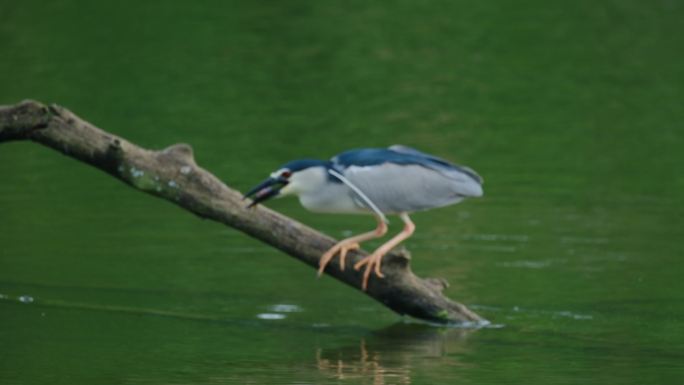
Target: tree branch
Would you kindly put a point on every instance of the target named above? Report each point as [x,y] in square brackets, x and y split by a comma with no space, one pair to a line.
[172,174]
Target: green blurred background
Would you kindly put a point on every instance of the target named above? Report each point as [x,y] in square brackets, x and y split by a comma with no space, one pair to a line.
[572,112]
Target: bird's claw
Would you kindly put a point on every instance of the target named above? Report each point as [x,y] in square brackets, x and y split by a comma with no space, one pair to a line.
[328,256]
[372,263]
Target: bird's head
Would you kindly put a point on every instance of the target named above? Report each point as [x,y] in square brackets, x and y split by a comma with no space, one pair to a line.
[291,178]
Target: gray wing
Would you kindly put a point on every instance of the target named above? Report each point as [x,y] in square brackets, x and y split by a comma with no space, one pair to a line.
[396,188]
[441,164]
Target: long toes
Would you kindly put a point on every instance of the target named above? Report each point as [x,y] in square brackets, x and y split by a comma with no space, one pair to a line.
[322,263]
[360,263]
[327,256]
[325,259]
[344,251]
[372,266]
[377,270]
[366,276]
[343,257]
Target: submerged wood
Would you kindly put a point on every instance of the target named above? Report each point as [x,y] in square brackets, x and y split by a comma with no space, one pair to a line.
[172,174]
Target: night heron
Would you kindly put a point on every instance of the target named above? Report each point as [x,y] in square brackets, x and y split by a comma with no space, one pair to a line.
[396,180]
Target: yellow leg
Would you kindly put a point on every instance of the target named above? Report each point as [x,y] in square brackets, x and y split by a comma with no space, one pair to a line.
[352,243]
[374,260]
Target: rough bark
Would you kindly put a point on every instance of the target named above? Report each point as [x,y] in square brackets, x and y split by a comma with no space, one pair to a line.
[172,174]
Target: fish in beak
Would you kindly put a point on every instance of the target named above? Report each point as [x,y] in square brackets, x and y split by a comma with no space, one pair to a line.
[265,190]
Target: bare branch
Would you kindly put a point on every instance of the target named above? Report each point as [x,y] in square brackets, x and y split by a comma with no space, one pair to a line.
[172,174]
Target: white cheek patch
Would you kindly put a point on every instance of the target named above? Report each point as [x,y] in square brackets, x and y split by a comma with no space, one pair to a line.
[287,190]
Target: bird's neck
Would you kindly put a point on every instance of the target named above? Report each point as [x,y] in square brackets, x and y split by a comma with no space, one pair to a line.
[307,181]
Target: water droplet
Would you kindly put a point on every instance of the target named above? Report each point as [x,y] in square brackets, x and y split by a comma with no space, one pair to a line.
[25,299]
[271,316]
[185,170]
[285,308]
[320,325]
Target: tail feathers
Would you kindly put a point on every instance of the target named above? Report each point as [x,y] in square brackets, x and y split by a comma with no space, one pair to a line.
[465,184]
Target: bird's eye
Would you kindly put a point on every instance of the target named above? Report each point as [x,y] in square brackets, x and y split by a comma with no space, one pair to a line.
[286,174]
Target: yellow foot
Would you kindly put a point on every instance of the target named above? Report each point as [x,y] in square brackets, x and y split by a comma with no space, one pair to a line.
[340,248]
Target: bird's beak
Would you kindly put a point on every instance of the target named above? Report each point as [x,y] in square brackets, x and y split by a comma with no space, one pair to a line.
[265,190]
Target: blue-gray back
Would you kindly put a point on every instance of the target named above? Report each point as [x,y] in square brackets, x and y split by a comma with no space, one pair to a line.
[402,179]
[401,155]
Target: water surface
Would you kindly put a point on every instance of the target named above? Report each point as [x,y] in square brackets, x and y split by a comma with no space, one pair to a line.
[571,112]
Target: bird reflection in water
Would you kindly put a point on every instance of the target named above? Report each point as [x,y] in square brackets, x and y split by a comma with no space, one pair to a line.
[388,356]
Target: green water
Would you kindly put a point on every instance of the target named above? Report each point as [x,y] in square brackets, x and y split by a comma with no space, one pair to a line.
[572,111]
